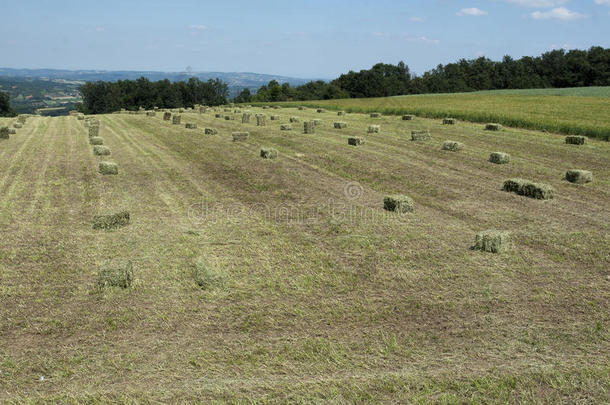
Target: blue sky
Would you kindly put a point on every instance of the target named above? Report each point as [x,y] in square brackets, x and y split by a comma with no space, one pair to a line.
[301,38]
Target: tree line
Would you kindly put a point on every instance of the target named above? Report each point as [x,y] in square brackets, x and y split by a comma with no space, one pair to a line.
[553,69]
[104,97]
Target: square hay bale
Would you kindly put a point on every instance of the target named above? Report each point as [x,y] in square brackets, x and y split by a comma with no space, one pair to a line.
[317,122]
[237,111]
[111,221]
[375,115]
[579,176]
[285,127]
[276,107]
[309,127]
[240,136]
[206,276]
[96,140]
[245,118]
[202,110]
[274,117]
[340,113]
[493,127]
[499,158]
[94,130]
[108,168]
[452,146]
[301,108]
[355,141]
[421,135]
[4,133]
[530,189]
[151,114]
[181,110]
[340,125]
[261,120]
[18,125]
[295,119]
[210,131]
[373,129]
[22,118]
[398,203]
[576,140]
[121,277]
[190,125]
[229,118]
[449,121]
[101,150]
[265,107]
[176,119]
[227,110]
[81,117]
[12,131]
[269,153]
[407,117]
[492,241]
[320,110]
[167,116]
[218,116]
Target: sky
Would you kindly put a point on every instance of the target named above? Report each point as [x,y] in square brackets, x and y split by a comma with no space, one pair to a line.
[297,38]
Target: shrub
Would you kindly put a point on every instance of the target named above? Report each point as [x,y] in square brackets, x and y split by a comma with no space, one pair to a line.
[309,127]
[452,146]
[373,129]
[240,136]
[340,124]
[355,141]
[527,188]
[421,135]
[269,153]
[207,276]
[579,176]
[492,241]
[96,140]
[449,121]
[499,157]
[576,140]
[116,277]
[493,127]
[398,203]
[108,168]
[100,150]
[286,127]
[210,131]
[111,221]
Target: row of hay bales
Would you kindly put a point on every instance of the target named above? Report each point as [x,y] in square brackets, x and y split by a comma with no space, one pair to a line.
[7,131]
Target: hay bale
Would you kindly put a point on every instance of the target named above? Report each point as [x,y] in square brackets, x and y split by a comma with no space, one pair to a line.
[285,127]
[530,189]
[452,146]
[355,141]
[295,119]
[176,119]
[12,131]
[407,117]
[576,140]
[261,120]
[4,133]
[151,114]
[17,125]
[94,130]
[190,125]
[449,121]
[320,110]
[240,136]
[579,176]
[96,140]
[229,118]
[181,110]
[420,135]
[492,241]
[373,129]
[218,116]
[274,117]
[398,203]
[108,168]
[340,125]
[276,107]
[269,153]
[340,113]
[101,150]
[81,117]
[167,116]
[301,108]
[210,131]
[237,111]
[265,107]
[375,115]
[206,276]
[245,118]
[309,127]
[111,221]
[499,158]
[22,118]
[317,122]
[115,277]
[227,110]
[493,127]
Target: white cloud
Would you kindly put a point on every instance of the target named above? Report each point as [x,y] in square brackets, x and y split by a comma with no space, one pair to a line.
[539,3]
[559,13]
[603,2]
[421,39]
[473,11]
[197,27]
[417,19]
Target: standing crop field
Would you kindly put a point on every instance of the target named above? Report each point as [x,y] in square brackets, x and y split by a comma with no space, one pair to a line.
[234,278]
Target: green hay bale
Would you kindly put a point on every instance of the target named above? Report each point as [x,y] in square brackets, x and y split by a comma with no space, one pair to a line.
[375,115]
[111,221]
[245,118]
[115,277]
[373,129]
[274,117]
[18,125]
[320,110]
[240,136]
[167,116]
[492,241]
[398,203]
[449,121]
[579,176]
[530,189]
[176,119]
[286,127]
[96,140]
[317,122]
[206,276]
[4,133]
[269,153]
[101,150]
[340,113]
[301,108]
[452,146]
[355,141]
[295,119]
[210,131]
[261,120]
[499,158]
[421,135]
[110,168]
[576,140]
[94,130]
[190,125]
[340,125]
[493,127]
[309,127]
[407,117]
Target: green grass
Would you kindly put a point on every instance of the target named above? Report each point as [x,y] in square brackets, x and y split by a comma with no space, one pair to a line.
[580,111]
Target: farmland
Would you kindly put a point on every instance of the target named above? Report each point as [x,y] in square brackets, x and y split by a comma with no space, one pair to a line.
[324,295]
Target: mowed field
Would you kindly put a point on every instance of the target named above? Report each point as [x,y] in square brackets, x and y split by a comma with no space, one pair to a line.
[326,297]
[580,111]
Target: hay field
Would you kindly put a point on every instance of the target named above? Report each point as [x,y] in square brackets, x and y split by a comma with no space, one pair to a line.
[284,280]
[585,112]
